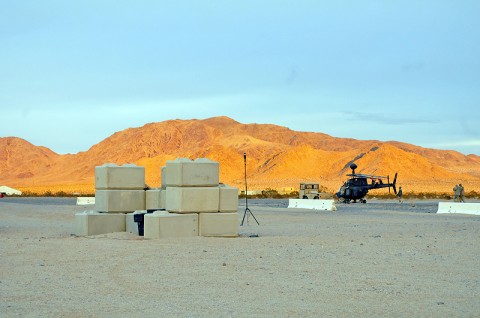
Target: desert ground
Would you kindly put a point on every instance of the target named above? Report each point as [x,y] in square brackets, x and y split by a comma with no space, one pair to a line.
[380,259]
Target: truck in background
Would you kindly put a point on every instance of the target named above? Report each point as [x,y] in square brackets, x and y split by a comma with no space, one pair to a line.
[309,191]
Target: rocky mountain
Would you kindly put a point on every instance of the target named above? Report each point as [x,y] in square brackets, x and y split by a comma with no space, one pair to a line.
[277,157]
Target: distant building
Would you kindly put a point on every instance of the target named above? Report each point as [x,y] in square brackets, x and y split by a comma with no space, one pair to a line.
[251,192]
[9,191]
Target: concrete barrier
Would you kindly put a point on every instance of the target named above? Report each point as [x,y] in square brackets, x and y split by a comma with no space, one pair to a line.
[192,199]
[458,207]
[228,200]
[161,224]
[115,201]
[218,224]
[95,223]
[153,199]
[183,172]
[85,200]
[327,205]
[111,176]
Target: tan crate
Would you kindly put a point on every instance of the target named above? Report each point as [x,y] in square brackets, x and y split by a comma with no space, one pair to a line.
[153,199]
[228,200]
[164,177]
[95,223]
[183,172]
[218,224]
[162,224]
[192,199]
[119,200]
[112,176]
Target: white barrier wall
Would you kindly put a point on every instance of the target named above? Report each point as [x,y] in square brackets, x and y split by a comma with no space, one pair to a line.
[459,207]
[112,176]
[85,200]
[327,205]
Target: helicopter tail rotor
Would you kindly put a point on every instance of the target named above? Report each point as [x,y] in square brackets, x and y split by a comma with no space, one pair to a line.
[394,182]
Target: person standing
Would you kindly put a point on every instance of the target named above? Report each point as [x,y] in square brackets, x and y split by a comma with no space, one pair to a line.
[461,193]
[456,193]
[400,194]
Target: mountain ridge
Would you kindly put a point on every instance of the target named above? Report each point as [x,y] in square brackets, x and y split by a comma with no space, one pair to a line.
[277,157]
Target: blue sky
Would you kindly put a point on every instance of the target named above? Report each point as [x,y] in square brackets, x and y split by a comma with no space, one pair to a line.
[74,72]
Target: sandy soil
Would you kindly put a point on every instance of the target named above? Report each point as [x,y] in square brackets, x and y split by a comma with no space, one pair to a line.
[379,259]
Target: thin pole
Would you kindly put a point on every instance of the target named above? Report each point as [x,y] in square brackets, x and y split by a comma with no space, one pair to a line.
[247,210]
[246,189]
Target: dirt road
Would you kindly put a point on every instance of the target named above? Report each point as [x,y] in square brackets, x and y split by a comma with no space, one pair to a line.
[379,259]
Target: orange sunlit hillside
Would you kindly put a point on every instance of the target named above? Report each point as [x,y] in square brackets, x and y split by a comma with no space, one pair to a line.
[277,157]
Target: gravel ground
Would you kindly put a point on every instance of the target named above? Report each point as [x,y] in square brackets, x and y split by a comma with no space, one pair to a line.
[380,259]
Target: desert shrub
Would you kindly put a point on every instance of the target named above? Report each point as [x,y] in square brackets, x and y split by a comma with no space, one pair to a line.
[444,196]
[472,195]
[411,195]
[270,194]
[29,194]
[293,194]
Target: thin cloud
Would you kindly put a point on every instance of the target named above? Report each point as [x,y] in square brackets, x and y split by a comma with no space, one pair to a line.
[388,119]
[465,146]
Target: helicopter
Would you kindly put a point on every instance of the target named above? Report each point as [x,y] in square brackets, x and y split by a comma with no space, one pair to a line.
[357,186]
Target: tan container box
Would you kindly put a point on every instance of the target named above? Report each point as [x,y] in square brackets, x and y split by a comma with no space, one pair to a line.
[183,172]
[95,223]
[192,199]
[119,200]
[218,224]
[164,177]
[163,199]
[162,224]
[112,176]
[153,199]
[228,201]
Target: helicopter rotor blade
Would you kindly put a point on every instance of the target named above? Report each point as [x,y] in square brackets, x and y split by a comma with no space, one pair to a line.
[394,182]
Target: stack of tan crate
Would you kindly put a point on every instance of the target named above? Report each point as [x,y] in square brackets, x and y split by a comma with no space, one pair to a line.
[195,202]
[118,190]
[190,202]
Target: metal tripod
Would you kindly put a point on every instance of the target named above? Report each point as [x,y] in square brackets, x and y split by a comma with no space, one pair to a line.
[247,210]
